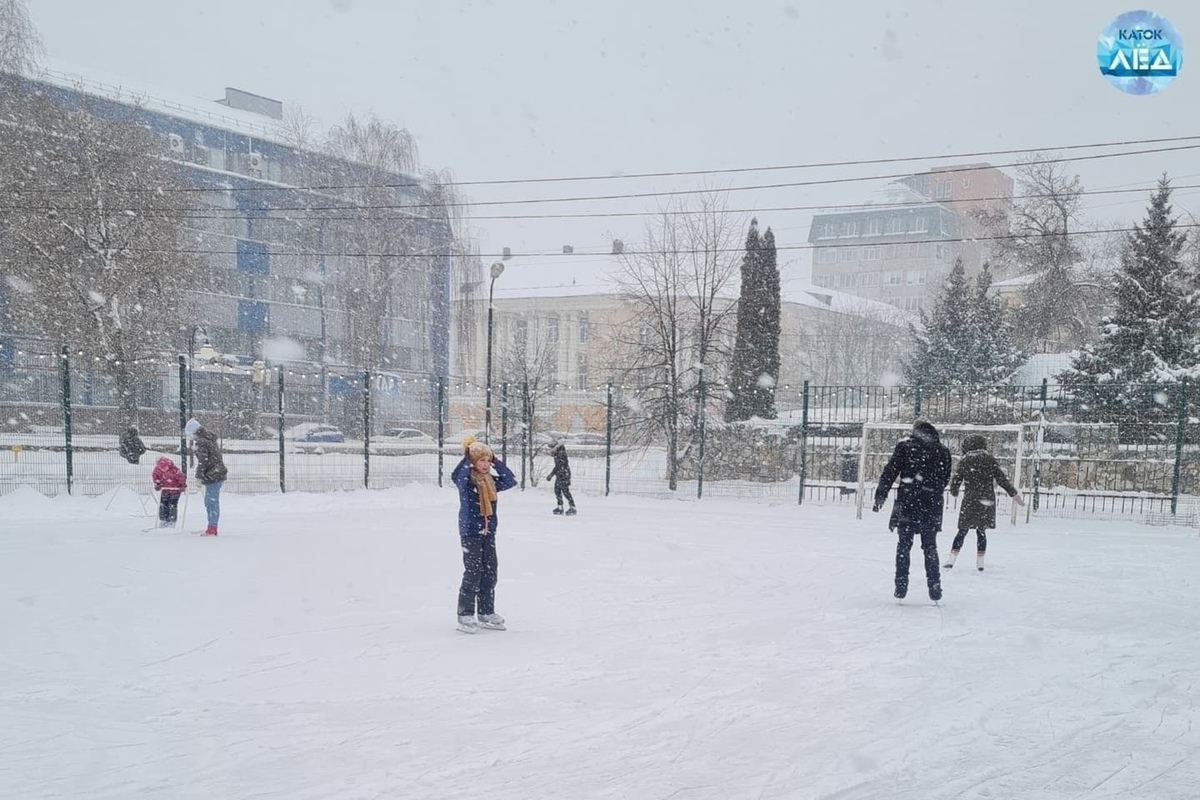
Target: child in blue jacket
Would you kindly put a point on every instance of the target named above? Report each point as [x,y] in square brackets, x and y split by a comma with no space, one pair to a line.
[477,525]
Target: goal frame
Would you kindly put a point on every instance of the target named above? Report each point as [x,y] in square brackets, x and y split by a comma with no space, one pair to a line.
[904,429]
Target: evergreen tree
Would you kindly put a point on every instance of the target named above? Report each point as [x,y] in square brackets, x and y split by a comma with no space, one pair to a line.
[997,354]
[1150,338]
[755,365]
[944,340]
[966,340]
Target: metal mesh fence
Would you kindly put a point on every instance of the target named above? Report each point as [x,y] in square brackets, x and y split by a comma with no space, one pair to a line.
[306,428]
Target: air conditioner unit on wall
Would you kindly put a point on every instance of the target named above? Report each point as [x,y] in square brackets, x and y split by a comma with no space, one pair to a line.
[175,143]
[254,163]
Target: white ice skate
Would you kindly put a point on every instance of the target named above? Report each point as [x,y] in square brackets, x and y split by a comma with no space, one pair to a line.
[466,624]
[493,622]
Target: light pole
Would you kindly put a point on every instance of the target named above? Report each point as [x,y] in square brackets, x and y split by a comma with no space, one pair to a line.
[192,363]
[497,269]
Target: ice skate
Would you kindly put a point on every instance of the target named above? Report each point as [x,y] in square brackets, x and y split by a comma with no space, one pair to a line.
[979,562]
[467,624]
[571,511]
[950,561]
[493,622]
[557,510]
[211,530]
[935,592]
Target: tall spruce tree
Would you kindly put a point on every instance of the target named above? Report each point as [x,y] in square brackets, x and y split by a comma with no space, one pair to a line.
[755,365]
[1150,338]
[966,339]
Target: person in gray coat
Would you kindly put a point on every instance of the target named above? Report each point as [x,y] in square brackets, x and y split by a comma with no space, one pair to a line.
[210,470]
[977,475]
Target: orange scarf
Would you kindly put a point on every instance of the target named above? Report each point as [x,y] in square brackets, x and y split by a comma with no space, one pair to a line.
[487,491]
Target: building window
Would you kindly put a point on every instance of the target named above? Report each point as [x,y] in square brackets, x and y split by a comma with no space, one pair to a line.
[875,227]
[584,329]
[252,316]
[581,372]
[822,281]
[912,304]
[848,254]
[871,253]
[940,252]
[521,333]
[829,231]
[913,275]
[826,255]
[944,188]
[914,250]
[896,225]
[891,251]
[252,257]
[849,229]
[552,329]
[966,183]
[894,278]
[920,224]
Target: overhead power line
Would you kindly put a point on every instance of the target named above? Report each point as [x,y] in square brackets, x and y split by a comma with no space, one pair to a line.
[673,192]
[627,252]
[301,214]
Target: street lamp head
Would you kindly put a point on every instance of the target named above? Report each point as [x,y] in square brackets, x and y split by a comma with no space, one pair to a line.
[497,268]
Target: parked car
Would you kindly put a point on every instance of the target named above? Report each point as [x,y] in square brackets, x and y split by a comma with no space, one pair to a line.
[409,436]
[323,433]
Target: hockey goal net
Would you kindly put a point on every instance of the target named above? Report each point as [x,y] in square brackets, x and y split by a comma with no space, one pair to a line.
[1005,442]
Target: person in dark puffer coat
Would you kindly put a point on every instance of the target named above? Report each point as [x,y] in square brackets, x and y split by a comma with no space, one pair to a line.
[977,474]
[561,475]
[922,464]
[210,470]
[478,490]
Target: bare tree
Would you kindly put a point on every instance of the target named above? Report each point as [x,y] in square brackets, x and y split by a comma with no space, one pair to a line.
[678,287]
[377,232]
[856,346]
[528,363]
[1039,238]
[20,44]
[97,238]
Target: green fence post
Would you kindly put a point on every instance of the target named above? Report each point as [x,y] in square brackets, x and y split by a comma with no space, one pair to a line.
[1180,423]
[526,434]
[803,443]
[66,404]
[183,412]
[282,446]
[366,429]
[1037,461]
[700,419]
[441,425]
[608,444]
[504,422]
[917,403]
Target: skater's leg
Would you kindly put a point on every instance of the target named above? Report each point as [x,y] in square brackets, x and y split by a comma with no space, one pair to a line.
[933,577]
[169,506]
[566,492]
[558,493]
[472,548]
[981,541]
[904,543]
[488,573]
[212,502]
[164,511]
[959,538]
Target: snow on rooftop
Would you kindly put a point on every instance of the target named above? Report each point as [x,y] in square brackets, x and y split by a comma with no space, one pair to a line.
[1042,366]
[164,101]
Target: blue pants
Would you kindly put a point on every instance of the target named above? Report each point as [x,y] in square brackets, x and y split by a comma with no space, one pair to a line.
[212,501]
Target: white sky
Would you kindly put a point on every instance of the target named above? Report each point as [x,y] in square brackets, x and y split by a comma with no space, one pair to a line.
[500,90]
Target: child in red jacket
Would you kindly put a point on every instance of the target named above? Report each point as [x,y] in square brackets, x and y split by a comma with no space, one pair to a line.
[170,481]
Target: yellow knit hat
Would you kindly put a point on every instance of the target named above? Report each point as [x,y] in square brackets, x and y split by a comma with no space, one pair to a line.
[475,449]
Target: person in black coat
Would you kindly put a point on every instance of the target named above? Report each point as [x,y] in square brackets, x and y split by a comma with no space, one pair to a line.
[922,464]
[561,474]
[977,474]
[132,448]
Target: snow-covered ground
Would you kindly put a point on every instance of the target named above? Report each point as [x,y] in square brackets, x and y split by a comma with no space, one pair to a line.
[656,649]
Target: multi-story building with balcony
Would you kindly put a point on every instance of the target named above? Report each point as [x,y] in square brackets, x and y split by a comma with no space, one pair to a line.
[899,247]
